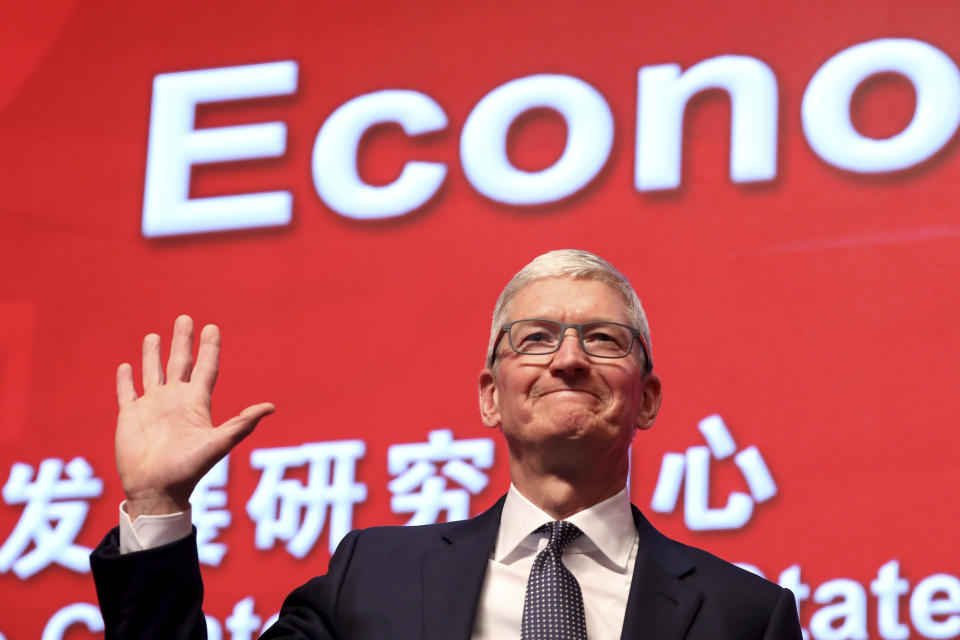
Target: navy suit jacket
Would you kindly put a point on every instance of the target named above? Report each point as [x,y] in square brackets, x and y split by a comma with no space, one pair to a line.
[401,583]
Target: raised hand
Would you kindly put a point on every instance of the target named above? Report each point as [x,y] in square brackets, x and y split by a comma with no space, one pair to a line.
[165,439]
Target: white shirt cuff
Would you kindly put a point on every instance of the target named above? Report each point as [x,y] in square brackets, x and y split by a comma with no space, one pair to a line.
[147,532]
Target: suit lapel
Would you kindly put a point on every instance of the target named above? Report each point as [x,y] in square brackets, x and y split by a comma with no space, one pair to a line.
[661,605]
[453,576]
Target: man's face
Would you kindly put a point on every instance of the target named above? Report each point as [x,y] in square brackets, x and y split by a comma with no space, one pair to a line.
[568,401]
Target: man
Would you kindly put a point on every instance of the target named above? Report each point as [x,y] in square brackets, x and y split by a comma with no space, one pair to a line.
[569,382]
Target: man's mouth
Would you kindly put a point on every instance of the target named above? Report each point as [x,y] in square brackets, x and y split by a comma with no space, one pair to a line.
[566,390]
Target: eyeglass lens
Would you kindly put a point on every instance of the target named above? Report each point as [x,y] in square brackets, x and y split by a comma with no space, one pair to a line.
[603,339]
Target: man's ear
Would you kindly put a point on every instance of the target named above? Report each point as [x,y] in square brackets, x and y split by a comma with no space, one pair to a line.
[489,399]
[650,402]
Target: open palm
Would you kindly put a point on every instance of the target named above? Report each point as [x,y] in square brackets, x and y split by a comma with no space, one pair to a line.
[165,439]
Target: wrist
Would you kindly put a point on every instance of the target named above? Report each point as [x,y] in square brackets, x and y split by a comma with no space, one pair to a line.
[153,504]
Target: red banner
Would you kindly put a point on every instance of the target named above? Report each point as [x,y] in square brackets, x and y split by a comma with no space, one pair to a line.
[345,188]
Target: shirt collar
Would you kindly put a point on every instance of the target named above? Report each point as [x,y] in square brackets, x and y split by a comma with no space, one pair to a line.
[609,525]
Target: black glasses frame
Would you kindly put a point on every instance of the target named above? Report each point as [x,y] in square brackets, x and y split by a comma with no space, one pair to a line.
[634,333]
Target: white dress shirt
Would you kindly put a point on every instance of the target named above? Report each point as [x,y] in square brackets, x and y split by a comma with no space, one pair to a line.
[601,559]
[147,532]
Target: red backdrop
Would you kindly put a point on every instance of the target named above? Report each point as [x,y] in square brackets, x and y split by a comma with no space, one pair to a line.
[814,310]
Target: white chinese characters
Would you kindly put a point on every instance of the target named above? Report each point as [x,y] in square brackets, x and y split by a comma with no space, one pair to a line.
[415,467]
[304,492]
[277,503]
[55,509]
[693,469]
[208,516]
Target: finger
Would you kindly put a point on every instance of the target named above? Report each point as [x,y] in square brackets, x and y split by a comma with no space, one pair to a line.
[208,358]
[181,350]
[239,427]
[125,391]
[152,373]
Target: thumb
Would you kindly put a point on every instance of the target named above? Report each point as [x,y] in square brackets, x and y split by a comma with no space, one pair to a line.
[240,426]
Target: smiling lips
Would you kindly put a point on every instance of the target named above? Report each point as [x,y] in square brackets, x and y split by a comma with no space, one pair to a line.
[567,389]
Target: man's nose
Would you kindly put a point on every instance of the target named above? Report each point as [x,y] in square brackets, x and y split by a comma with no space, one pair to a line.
[570,357]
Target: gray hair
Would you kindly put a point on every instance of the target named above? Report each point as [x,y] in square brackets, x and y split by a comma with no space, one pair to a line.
[570,263]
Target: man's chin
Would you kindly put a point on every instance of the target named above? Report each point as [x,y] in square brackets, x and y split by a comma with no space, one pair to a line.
[573,421]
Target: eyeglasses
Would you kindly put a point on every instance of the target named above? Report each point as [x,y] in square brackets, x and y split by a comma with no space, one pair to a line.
[537,336]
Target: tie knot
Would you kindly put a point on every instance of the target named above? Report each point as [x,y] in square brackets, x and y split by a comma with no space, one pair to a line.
[561,533]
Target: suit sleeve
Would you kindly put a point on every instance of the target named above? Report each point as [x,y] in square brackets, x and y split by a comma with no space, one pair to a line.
[784,624]
[157,594]
[310,612]
[153,594]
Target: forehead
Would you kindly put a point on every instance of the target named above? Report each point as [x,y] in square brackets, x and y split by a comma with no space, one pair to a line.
[569,300]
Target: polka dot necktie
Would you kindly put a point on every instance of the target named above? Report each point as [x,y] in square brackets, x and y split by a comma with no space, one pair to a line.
[553,606]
